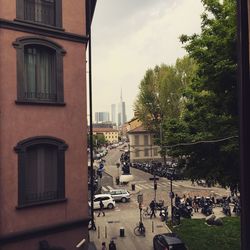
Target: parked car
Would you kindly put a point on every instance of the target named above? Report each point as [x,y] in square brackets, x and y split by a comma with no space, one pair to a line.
[168,241]
[120,195]
[107,200]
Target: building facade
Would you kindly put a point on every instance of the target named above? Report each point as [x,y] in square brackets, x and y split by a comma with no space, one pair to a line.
[101,117]
[113,113]
[43,164]
[121,115]
[111,135]
[142,147]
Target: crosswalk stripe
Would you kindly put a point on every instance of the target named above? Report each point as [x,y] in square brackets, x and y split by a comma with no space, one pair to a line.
[163,184]
[144,186]
[149,185]
[138,187]
[110,188]
[104,189]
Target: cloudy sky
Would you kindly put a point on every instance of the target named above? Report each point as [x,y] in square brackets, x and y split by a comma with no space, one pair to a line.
[131,36]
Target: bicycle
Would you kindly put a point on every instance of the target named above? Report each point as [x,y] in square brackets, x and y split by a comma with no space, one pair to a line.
[146,212]
[140,230]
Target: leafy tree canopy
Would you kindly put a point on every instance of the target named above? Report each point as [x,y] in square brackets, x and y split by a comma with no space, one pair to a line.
[211,106]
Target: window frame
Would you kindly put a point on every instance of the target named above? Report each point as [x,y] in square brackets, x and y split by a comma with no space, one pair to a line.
[21,149]
[20,44]
[58,14]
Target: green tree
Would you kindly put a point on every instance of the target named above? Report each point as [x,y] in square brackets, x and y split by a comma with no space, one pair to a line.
[211,107]
[160,93]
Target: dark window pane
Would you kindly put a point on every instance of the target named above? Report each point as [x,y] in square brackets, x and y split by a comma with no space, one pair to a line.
[42,11]
[41,174]
[39,74]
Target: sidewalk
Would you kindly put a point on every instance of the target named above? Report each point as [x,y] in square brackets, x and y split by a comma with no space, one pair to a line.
[108,227]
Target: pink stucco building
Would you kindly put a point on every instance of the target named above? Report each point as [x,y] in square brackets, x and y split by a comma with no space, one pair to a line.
[43,158]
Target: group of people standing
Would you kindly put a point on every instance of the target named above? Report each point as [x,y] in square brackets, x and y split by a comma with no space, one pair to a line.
[112,245]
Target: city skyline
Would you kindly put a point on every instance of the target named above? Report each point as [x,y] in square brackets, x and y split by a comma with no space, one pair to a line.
[116,115]
[145,34]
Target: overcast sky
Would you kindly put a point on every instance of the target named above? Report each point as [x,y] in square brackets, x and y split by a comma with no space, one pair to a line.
[131,36]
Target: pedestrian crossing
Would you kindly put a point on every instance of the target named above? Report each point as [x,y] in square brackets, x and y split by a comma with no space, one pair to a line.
[141,186]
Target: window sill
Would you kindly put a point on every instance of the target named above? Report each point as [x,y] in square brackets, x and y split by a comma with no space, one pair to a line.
[41,203]
[45,26]
[37,102]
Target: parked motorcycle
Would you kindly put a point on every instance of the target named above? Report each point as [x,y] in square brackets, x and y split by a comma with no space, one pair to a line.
[237,208]
[207,209]
[159,205]
[184,211]
[226,209]
[164,214]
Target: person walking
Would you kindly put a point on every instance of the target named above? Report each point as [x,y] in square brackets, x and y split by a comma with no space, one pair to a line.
[101,209]
[152,207]
[112,245]
[104,246]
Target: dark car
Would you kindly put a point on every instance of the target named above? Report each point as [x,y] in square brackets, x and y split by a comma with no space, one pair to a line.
[168,241]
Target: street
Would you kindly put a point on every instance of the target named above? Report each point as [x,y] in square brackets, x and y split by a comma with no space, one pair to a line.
[127,216]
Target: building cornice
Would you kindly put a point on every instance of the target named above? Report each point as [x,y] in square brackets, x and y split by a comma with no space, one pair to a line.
[33,28]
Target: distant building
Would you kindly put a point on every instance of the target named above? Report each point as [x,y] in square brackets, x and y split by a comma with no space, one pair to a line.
[113,113]
[122,117]
[141,146]
[111,135]
[101,117]
[104,125]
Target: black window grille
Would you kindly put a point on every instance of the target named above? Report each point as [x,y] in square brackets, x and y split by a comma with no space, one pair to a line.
[39,71]
[40,170]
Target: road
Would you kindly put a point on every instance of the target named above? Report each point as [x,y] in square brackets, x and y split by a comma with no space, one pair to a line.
[127,216]
[145,186]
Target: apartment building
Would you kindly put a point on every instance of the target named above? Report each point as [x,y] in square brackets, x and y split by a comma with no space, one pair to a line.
[43,163]
[142,147]
[111,135]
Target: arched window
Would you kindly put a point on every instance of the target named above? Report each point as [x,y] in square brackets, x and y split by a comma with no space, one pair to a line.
[40,170]
[39,71]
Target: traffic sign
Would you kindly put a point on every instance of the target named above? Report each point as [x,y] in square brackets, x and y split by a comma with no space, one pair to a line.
[153,178]
[140,198]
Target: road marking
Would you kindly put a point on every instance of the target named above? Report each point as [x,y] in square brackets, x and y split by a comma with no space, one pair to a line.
[149,185]
[144,186]
[163,184]
[176,185]
[105,189]
[138,187]
[110,188]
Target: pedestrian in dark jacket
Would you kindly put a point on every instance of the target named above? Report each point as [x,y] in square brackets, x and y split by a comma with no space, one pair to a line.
[104,246]
[101,209]
[112,245]
[152,207]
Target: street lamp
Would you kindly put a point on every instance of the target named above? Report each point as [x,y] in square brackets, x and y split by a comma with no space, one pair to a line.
[171,194]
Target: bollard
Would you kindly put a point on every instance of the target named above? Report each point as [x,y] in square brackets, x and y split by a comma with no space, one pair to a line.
[106,234]
[122,232]
[98,232]
[133,187]
[152,226]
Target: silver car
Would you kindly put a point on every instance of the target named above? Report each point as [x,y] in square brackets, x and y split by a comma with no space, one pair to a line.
[120,195]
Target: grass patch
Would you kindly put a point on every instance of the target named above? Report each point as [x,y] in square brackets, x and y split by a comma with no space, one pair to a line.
[197,235]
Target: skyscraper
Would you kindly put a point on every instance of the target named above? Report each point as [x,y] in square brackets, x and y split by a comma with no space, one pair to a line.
[122,117]
[113,113]
[101,117]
